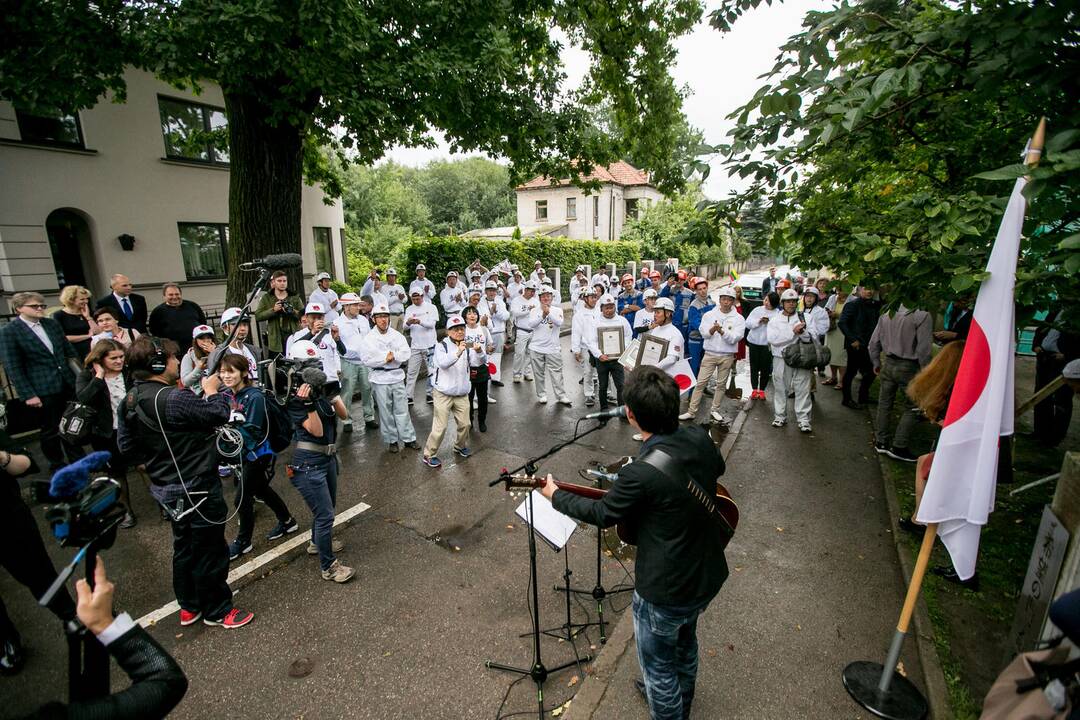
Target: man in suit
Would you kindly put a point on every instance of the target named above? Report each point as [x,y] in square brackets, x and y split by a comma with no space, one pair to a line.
[36,354]
[130,307]
[769,284]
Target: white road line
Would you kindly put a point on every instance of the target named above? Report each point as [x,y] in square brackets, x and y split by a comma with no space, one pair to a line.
[301,538]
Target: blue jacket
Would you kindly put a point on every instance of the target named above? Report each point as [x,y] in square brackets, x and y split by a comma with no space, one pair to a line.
[694,316]
[252,403]
[628,298]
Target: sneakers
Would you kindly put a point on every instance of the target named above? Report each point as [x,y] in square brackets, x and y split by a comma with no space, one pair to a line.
[687,416]
[590,401]
[429,400]
[881,448]
[413,445]
[393,447]
[542,399]
[497,383]
[851,404]
[463,452]
[432,462]
[901,454]
[370,424]
[239,547]
[411,402]
[189,618]
[517,378]
[283,528]
[762,396]
[564,400]
[335,545]
[717,417]
[338,573]
[528,378]
[779,422]
[235,618]
[805,428]
[492,401]
[346,426]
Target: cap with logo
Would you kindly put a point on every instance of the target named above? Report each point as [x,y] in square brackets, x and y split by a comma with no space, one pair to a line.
[454,321]
[727,291]
[229,316]
[491,285]
[625,277]
[607,300]
[547,290]
[789,294]
[200,330]
[589,291]
[421,266]
[530,285]
[649,293]
[315,309]
[811,289]
[476,289]
[349,298]
[303,350]
[391,271]
[695,281]
[452,273]
[380,309]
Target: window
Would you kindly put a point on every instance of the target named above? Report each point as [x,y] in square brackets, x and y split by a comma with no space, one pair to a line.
[324,255]
[596,211]
[203,247]
[58,129]
[541,210]
[632,208]
[571,208]
[194,132]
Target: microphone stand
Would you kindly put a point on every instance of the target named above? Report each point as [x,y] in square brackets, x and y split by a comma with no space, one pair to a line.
[214,360]
[538,671]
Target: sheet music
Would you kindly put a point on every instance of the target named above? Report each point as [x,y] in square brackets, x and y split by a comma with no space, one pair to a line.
[551,524]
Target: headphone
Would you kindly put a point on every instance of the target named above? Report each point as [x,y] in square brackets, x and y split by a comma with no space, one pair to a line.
[160,360]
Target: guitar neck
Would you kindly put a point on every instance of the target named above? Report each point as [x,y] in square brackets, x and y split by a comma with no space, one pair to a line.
[582,490]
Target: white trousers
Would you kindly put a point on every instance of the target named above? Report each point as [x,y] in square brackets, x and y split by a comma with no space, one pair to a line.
[521,354]
[543,365]
[495,357]
[785,379]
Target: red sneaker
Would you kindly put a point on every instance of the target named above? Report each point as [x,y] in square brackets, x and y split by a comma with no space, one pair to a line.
[189,618]
[233,619]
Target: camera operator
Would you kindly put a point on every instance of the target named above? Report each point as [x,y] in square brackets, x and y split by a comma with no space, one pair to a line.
[22,552]
[171,431]
[314,468]
[158,683]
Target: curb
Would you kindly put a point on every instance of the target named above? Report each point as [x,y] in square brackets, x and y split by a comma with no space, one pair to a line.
[937,690]
[587,700]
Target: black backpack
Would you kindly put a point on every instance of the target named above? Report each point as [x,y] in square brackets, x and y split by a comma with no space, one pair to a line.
[279,428]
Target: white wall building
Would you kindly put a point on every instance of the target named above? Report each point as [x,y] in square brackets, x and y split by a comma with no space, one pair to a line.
[71,188]
[624,192]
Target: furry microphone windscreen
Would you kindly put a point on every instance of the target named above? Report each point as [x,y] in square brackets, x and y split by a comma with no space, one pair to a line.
[69,480]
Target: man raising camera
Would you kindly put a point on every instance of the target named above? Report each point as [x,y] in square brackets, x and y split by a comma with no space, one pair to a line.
[172,431]
[680,563]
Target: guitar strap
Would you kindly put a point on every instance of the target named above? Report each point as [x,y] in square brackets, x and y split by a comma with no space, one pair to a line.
[666,466]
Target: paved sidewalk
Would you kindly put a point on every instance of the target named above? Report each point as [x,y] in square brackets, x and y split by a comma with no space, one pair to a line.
[815,581]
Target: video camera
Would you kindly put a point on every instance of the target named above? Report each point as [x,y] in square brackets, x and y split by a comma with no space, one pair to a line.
[291,374]
[88,501]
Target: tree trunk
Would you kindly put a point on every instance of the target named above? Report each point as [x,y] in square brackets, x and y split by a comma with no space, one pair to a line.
[265,186]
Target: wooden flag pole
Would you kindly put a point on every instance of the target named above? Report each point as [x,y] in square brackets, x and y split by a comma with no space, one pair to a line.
[912,597]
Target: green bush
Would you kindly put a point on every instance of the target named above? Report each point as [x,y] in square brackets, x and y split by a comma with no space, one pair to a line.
[341,288]
[441,254]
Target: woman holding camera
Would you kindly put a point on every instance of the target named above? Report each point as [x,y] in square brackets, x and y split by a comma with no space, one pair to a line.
[478,344]
[193,365]
[102,386]
[258,459]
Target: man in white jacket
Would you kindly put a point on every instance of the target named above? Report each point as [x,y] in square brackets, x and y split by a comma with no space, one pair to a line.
[581,326]
[384,350]
[452,296]
[422,283]
[721,331]
[420,320]
[545,322]
[451,393]
[787,329]
[662,314]
[396,299]
[520,309]
[352,327]
[493,315]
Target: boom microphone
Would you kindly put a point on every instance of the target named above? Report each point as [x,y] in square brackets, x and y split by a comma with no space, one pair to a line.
[282,261]
[71,479]
[618,411]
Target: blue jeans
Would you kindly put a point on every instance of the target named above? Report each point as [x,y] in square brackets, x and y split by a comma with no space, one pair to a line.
[667,651]
[315,478]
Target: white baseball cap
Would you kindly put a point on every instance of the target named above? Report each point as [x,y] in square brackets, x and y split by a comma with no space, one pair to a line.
[417,291]
[547,290]
[476,289]
[454,321]
[1072,370]
[391,271]
[380,309]
[303,350]
[452,273]
[649,293]
[607,300]
[322,276]
[789,294]
[229,316]
[200,330]
[588,291]
[537,263]
[664,304]
[314,308]
[811,289]
[421,266]
[530,285]
[491,285]
[579,269]
[349,298]
[727,291]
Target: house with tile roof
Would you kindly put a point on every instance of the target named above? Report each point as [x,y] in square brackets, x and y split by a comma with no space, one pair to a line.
[563,209]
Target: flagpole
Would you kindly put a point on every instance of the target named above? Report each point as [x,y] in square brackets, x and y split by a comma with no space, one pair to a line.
[908,610]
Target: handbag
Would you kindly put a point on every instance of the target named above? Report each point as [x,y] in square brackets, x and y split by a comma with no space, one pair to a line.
[1020,691]
[76,422]
[806,355]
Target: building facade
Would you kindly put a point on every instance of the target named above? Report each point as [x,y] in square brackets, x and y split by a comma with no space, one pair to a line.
[624,192]
[140,188]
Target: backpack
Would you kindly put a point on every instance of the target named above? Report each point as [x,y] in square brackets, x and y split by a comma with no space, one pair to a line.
[807,355]
[279,428]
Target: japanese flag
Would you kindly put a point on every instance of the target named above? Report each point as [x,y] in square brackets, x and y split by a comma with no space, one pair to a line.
[959,494]
[683,374]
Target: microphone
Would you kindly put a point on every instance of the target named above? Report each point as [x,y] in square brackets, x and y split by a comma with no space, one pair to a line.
[282,261]
[618,411]
[71,479]
[313,377]
[610,477]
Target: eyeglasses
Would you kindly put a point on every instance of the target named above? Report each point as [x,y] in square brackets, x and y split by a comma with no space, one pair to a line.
[37,306]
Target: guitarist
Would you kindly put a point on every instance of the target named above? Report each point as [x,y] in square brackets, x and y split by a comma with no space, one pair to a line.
[680,563]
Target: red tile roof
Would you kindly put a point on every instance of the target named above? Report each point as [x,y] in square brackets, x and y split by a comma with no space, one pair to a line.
[618,173]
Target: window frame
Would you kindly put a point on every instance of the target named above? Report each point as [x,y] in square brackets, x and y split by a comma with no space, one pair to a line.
[329,248]
[571,212]
[223,240]
[80,145]
[538,204]
[204,110]
[632,208]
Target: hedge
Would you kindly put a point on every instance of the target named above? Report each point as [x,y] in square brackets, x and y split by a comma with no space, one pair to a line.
[443,254]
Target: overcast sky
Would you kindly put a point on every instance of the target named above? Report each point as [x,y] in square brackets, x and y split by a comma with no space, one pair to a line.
[721,71]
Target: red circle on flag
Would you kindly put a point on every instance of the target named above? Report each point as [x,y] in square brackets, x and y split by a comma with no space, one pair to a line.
[491,368]
[683,381]
[972,376]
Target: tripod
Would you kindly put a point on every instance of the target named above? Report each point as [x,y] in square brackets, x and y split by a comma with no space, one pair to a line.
[598,593]
[538,671]
[569,629]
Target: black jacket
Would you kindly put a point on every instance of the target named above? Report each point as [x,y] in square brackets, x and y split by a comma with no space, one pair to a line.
[176,323]
[858,321]
[92,391]
[138,311]
[679,561]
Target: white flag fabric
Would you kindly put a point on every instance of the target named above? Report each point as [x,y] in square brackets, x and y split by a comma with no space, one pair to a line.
[684,376]
[959,494]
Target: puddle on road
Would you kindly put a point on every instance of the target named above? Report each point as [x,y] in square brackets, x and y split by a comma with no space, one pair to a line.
[456,537]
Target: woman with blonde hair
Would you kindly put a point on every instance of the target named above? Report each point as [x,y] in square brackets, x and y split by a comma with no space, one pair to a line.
[74,318]
[930,390]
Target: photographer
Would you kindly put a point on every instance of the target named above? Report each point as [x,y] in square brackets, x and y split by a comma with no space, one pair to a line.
[279,310]
[158,683]
[313,470]
[22,552]
[171,431]
[249,410]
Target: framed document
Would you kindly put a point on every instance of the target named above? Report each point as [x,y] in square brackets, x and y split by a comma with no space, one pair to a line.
[652,350]
[610,340]
[628,359]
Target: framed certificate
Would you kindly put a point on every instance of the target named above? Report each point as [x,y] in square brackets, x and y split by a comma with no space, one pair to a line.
[610,340]
[652,350]
[628,359]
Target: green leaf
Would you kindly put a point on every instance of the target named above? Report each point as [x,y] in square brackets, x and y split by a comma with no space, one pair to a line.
[1008,172]
[1062,140]
[1072,263]
[1070,243]
[960,283]
[883,82]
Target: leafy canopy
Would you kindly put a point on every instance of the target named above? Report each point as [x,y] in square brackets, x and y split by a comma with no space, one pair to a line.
[874,141]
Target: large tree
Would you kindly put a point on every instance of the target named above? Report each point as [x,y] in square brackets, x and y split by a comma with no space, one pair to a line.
[880,138]
[299,74]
